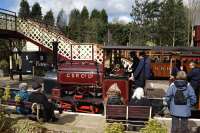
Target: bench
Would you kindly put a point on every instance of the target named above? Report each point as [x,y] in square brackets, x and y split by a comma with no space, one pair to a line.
[34,107]
[116,113]
[131,116]
[138,115]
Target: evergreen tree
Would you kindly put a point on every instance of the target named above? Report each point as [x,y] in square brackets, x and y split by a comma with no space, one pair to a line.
[24,10]
[84,14]
[61,20]
[84,18]
[36,12]
[104,30]
[95,14]
[74,25]
[98,27]
[49,18]
[104,16]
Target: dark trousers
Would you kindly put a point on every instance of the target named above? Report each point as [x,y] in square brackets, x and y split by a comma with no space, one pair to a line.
[179,125]
[48,112]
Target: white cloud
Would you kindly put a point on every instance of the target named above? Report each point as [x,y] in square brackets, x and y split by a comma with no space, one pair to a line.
[125,19]
[121,19]
[114,8]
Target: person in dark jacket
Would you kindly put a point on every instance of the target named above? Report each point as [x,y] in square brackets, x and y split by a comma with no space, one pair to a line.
[143,70]
[178,67]
[180,112]
[194,78]
[38,97]
[135,61]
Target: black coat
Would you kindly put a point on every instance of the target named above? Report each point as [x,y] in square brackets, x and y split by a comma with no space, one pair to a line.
[40,98]
[194,78]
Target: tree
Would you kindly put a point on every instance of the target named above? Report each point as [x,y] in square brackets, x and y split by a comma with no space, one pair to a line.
[145,16]
[180,24]
[36,12]
[139,19]
[193,18]
[61,20]
[84,14]
[24,10]
[84,18]
[74,25]
[120,33]
[49,18]
[95,14]
[173,23]
[104,16]
[98,26]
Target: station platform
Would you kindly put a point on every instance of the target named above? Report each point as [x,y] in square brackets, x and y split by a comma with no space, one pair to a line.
[70,122]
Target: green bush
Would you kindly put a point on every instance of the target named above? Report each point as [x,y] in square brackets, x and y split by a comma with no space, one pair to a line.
[28,127]
[114,128]
[153,126]
[5,122]
[3,64]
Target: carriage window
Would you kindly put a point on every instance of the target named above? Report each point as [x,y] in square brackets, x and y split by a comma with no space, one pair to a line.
[116,63]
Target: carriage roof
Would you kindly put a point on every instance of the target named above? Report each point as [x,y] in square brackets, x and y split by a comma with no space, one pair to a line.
[156,49]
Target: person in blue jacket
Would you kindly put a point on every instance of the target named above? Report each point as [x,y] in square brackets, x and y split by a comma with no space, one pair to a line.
[20,97]
[143,70]
[180,112]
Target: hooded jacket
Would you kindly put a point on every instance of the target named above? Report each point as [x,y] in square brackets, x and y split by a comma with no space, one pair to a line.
[180,110]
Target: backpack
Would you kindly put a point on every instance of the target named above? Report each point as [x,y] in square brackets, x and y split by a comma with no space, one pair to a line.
[180,98]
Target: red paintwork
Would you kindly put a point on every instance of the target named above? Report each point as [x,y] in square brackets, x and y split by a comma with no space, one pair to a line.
[123,85]
[197,33]
[81,74]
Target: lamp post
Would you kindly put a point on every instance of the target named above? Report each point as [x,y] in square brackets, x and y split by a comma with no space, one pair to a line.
[11,61]
[18,60]
[20,64]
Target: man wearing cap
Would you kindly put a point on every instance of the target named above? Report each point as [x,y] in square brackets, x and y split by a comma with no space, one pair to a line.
[40,98]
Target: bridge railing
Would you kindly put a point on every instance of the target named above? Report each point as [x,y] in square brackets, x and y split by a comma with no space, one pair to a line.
[8,20]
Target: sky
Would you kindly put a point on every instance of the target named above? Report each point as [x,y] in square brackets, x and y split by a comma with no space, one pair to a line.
[116,9]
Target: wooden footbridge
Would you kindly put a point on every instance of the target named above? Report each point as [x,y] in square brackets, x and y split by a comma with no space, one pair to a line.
[13,27]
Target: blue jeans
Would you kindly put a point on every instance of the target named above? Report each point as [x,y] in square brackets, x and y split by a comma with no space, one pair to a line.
[179,125]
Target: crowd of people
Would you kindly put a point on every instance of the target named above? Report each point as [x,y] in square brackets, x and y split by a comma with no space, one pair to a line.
[181,96]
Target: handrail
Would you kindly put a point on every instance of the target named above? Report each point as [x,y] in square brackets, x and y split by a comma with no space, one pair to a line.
[8,11]
[47,26]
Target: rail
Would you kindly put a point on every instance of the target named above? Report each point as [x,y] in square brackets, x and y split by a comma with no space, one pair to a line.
[8,20]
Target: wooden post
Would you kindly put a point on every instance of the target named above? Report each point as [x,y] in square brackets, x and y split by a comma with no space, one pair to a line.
[11,61]
[20,65]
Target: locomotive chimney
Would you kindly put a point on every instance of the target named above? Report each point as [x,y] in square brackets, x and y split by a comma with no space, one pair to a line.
[55,54]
